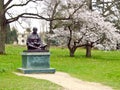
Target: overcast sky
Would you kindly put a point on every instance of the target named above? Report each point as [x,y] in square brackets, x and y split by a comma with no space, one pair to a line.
[29,8]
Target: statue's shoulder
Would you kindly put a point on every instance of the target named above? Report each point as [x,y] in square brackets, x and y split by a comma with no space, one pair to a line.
[29,36]
[37,35]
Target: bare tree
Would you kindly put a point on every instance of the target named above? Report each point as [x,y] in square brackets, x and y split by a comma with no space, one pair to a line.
[110,9]
[4,8]
[4,21]
[51,7]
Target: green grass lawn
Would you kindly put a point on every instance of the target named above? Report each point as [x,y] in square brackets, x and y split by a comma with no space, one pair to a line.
[9,81]
[102,67]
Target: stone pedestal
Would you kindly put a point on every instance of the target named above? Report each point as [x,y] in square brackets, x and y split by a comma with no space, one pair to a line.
[36,62]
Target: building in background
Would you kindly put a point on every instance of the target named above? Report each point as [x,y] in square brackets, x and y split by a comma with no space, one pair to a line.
[22,38]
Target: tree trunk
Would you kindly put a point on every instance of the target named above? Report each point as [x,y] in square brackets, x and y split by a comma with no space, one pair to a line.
[51,27]
[50,32]
[72,51]
[89,3]
[2,38]
[88,51]
[48,44]
[3,26]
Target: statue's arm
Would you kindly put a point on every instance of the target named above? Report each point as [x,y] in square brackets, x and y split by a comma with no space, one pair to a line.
[39,39]
[30,44]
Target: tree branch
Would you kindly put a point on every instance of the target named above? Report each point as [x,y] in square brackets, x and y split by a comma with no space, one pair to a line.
[76,10]
[9,1]
[70,38]
[15,5]
[35,16]
[54,9]
[108,8]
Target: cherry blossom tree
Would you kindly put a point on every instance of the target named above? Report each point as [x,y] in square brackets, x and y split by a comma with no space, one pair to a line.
[87,28]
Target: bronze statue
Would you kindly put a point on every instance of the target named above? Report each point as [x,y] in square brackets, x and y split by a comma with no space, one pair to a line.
[34,41]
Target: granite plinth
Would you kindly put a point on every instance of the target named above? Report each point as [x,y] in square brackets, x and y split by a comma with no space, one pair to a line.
[30,71]
[36,50]
[36,62]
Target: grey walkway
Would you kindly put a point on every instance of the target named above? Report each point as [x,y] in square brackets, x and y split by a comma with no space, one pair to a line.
[68,82]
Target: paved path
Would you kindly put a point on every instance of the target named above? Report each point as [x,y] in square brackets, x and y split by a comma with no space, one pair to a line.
[68,82]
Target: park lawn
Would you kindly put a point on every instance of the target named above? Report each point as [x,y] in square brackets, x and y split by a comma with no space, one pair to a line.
[9,81]
[102,67]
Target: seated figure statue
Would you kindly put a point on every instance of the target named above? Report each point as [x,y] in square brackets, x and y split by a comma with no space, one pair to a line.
[34,42]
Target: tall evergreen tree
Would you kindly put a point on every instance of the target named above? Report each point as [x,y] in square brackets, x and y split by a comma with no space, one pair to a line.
[11,35]
[8,31]
[14,35]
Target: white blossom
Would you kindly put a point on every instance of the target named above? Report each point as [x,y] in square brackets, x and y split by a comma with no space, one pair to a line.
[94,29]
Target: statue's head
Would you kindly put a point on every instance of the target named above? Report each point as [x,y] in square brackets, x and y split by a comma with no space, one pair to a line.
[34,30]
